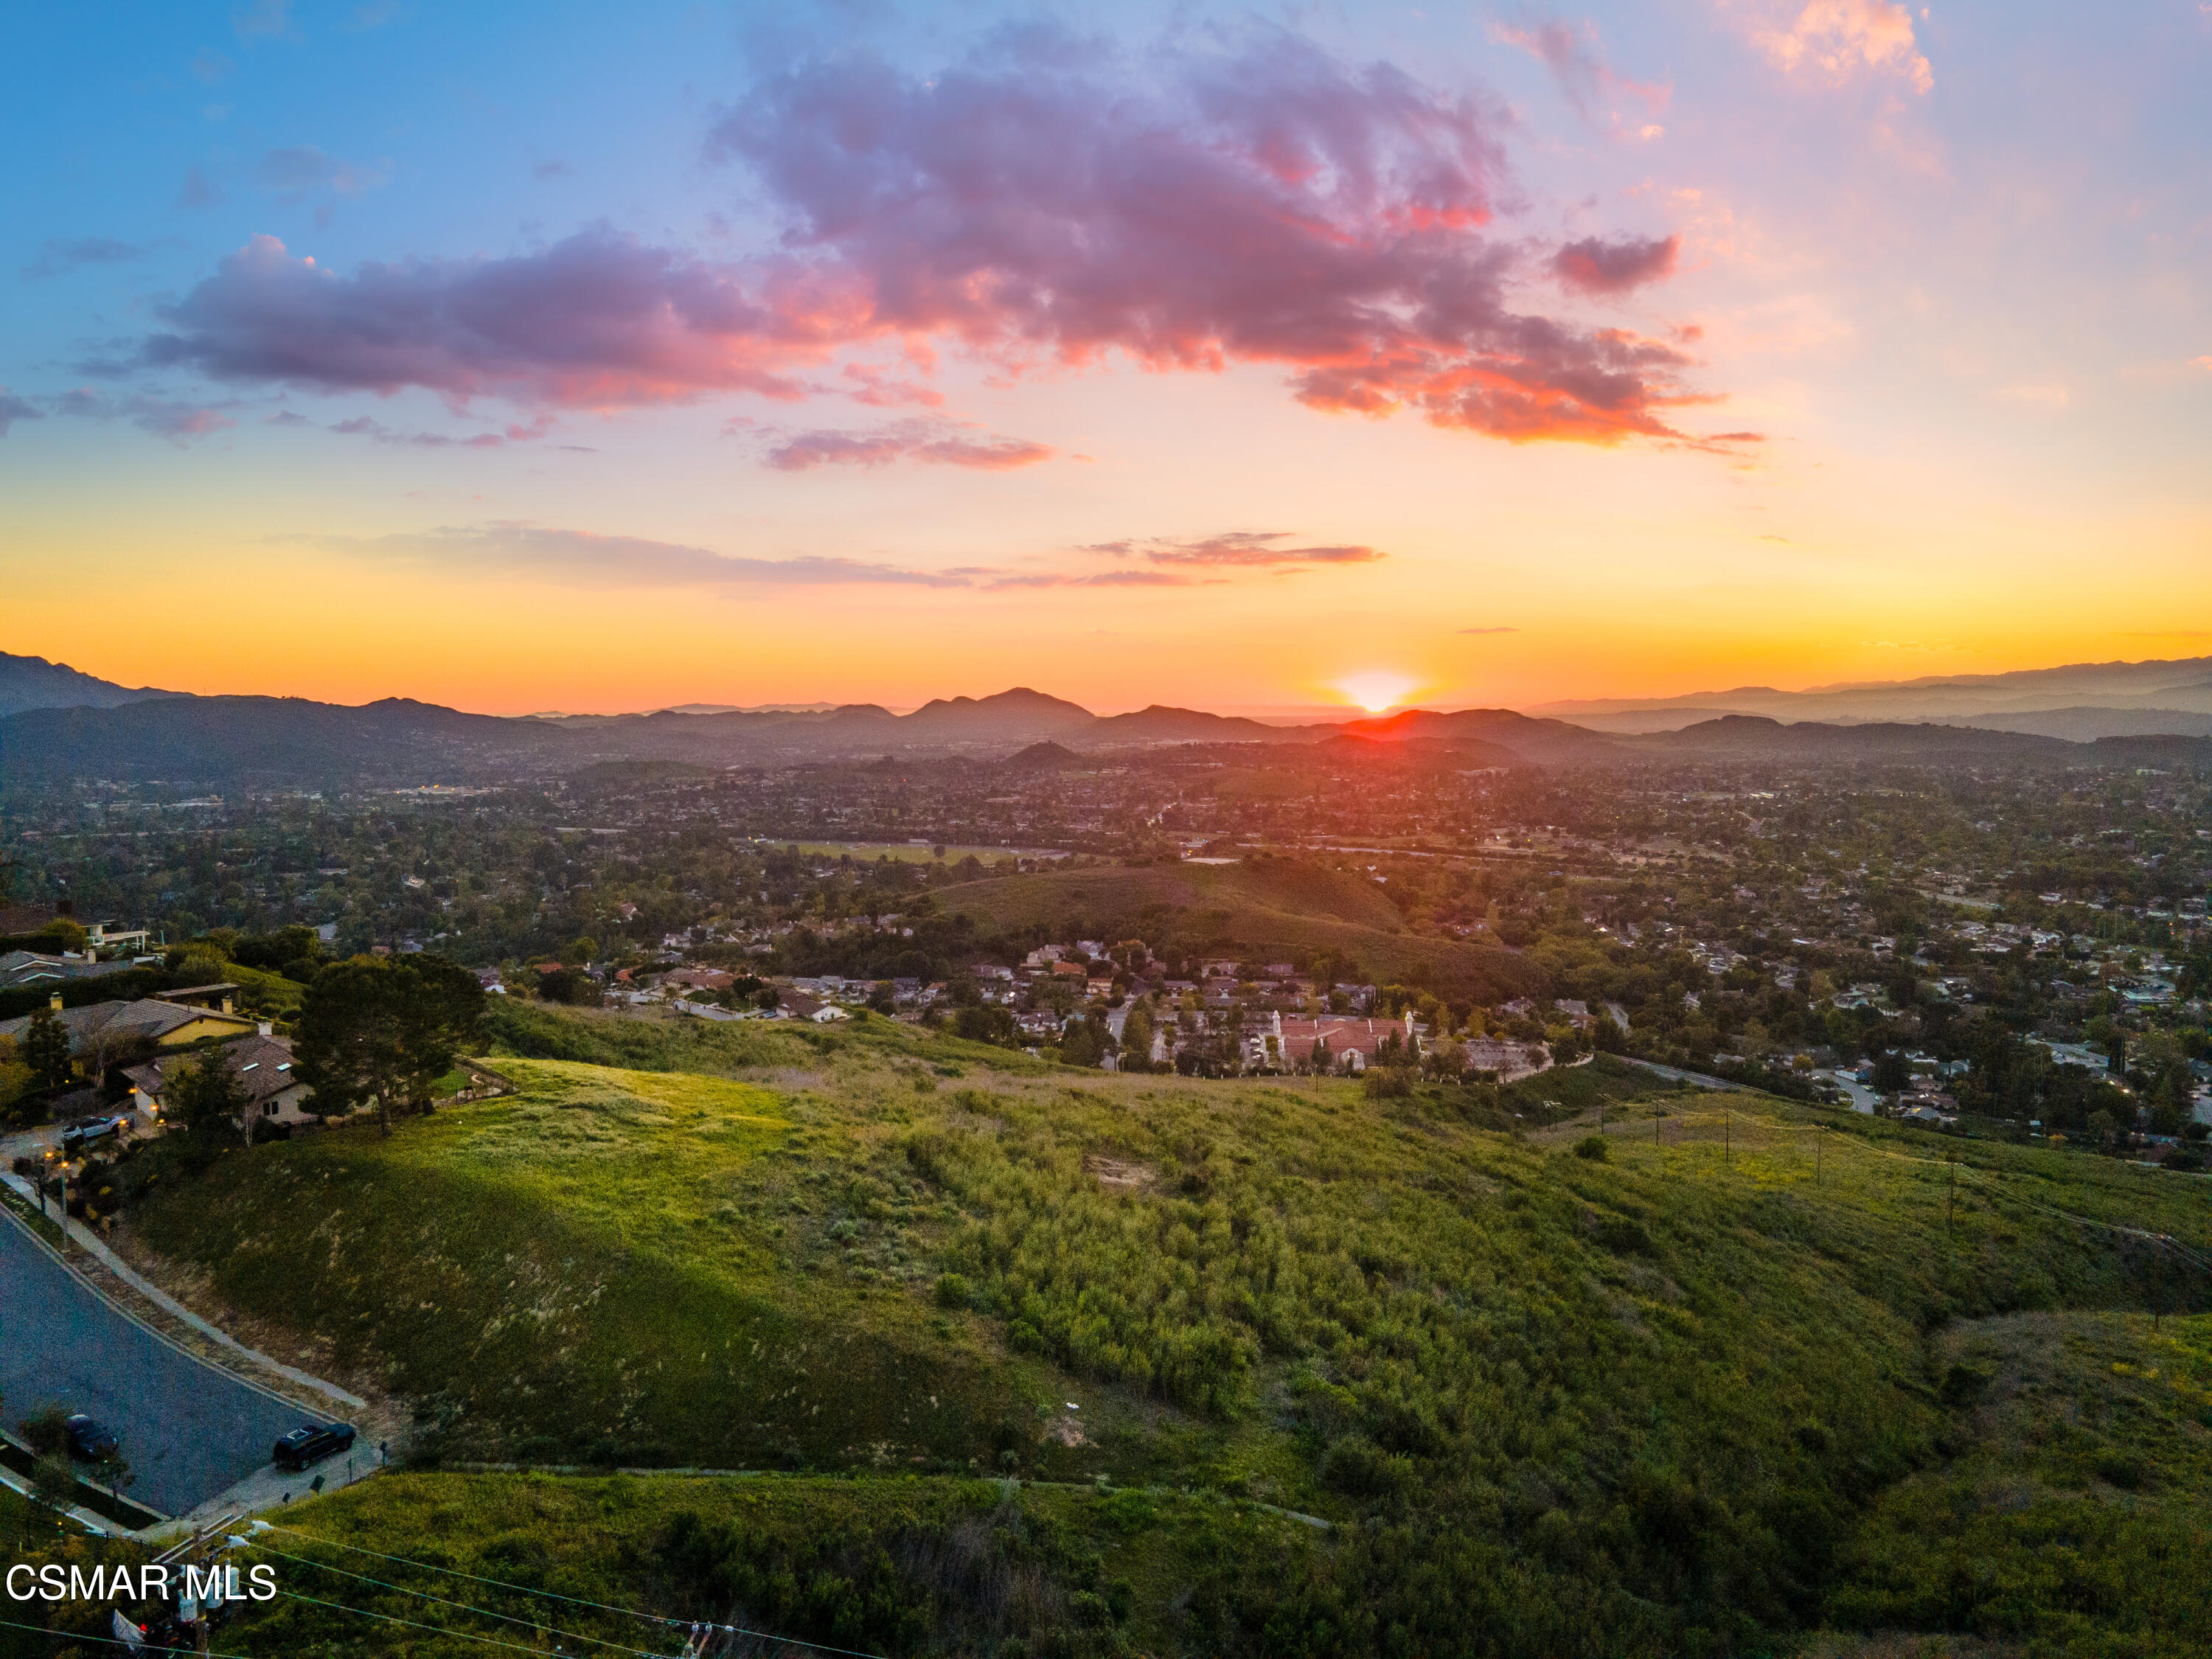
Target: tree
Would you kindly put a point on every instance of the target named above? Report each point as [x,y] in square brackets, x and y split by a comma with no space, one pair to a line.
[1137,1037]
[205,1094]
[16,1082]
[53,1481]
[46,1049]
[384,1030]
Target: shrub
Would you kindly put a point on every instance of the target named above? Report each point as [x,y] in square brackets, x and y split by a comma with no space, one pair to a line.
[43,1431]
[1591,1148]
[953,1291]
[1358,1467]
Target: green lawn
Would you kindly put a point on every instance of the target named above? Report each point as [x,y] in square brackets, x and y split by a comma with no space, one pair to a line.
[1667,1394]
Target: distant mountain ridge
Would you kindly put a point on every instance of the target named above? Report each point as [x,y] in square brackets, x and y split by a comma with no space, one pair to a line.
[2080,702]
[28,682]
[260,741]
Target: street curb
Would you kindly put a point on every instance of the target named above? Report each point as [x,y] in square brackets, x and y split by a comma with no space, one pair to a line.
[161,1299]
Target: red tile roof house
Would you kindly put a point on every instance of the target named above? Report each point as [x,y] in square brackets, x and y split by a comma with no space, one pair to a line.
[1353,1039]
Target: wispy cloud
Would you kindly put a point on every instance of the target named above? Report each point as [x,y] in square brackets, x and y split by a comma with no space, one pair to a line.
[1102,579]
[198,190]
[362,426]
[940,443]
[295,170]
[263,19]
[1489,631]
[14,409]
[72,253]
[1238,548]
[1576,57]
[166,417]
[584,558]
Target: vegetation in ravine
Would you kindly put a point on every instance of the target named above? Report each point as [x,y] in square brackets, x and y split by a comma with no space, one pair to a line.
[1661,1395]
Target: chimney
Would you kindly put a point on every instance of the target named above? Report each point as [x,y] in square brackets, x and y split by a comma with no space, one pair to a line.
[54,1002]
[226,1005]
[268,1028]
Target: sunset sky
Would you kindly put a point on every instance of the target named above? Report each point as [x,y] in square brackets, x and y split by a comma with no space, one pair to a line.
[596,358]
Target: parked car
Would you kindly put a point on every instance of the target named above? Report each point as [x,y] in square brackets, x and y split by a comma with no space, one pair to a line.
[310,1443]
[90,1131]
[88,1441]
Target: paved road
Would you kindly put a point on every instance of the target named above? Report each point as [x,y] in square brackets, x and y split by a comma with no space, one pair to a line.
[1675,1074]
[188,1429]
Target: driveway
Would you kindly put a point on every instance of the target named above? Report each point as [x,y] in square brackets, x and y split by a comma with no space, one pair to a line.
[189,1430]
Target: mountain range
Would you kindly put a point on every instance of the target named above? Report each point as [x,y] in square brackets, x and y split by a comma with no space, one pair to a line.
[2079,702]
[61,725]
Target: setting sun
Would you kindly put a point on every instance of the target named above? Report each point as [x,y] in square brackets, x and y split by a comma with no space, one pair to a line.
[1377,691]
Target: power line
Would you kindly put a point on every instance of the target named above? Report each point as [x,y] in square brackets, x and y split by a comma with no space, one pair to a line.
[575,1600]
[435,1629]
[111,1641]
[444,1601]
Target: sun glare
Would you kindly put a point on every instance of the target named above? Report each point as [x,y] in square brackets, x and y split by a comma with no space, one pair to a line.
[1376,692]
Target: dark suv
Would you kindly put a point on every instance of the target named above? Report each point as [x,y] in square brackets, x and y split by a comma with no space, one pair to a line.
[311,1442]
[88,1441]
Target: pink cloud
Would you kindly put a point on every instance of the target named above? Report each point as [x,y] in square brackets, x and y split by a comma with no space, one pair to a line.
[1035,205]
[1842,38]
[1597,266]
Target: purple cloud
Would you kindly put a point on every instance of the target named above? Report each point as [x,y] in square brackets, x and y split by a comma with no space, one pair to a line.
[1597,266]
[593,321]
[1035,205]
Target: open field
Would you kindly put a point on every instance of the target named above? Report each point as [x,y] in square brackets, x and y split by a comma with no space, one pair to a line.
[1248,910]
[1650,1401]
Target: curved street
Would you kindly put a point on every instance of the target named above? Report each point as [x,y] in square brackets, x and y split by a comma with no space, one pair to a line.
[189,1430]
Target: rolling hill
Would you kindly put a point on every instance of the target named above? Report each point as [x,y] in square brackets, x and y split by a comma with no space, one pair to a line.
[1103,1364]
[1257,909]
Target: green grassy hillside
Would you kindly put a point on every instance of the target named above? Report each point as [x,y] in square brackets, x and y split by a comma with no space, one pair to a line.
[1676,1396]
[1248,909]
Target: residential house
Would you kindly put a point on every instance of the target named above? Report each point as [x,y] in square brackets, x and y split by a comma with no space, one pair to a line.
[263,1066]
[168,1024]
[18,967]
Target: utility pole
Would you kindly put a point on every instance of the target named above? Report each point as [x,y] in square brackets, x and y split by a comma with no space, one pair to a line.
[2158,1302]
[1951,1193]
[1816,1155]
